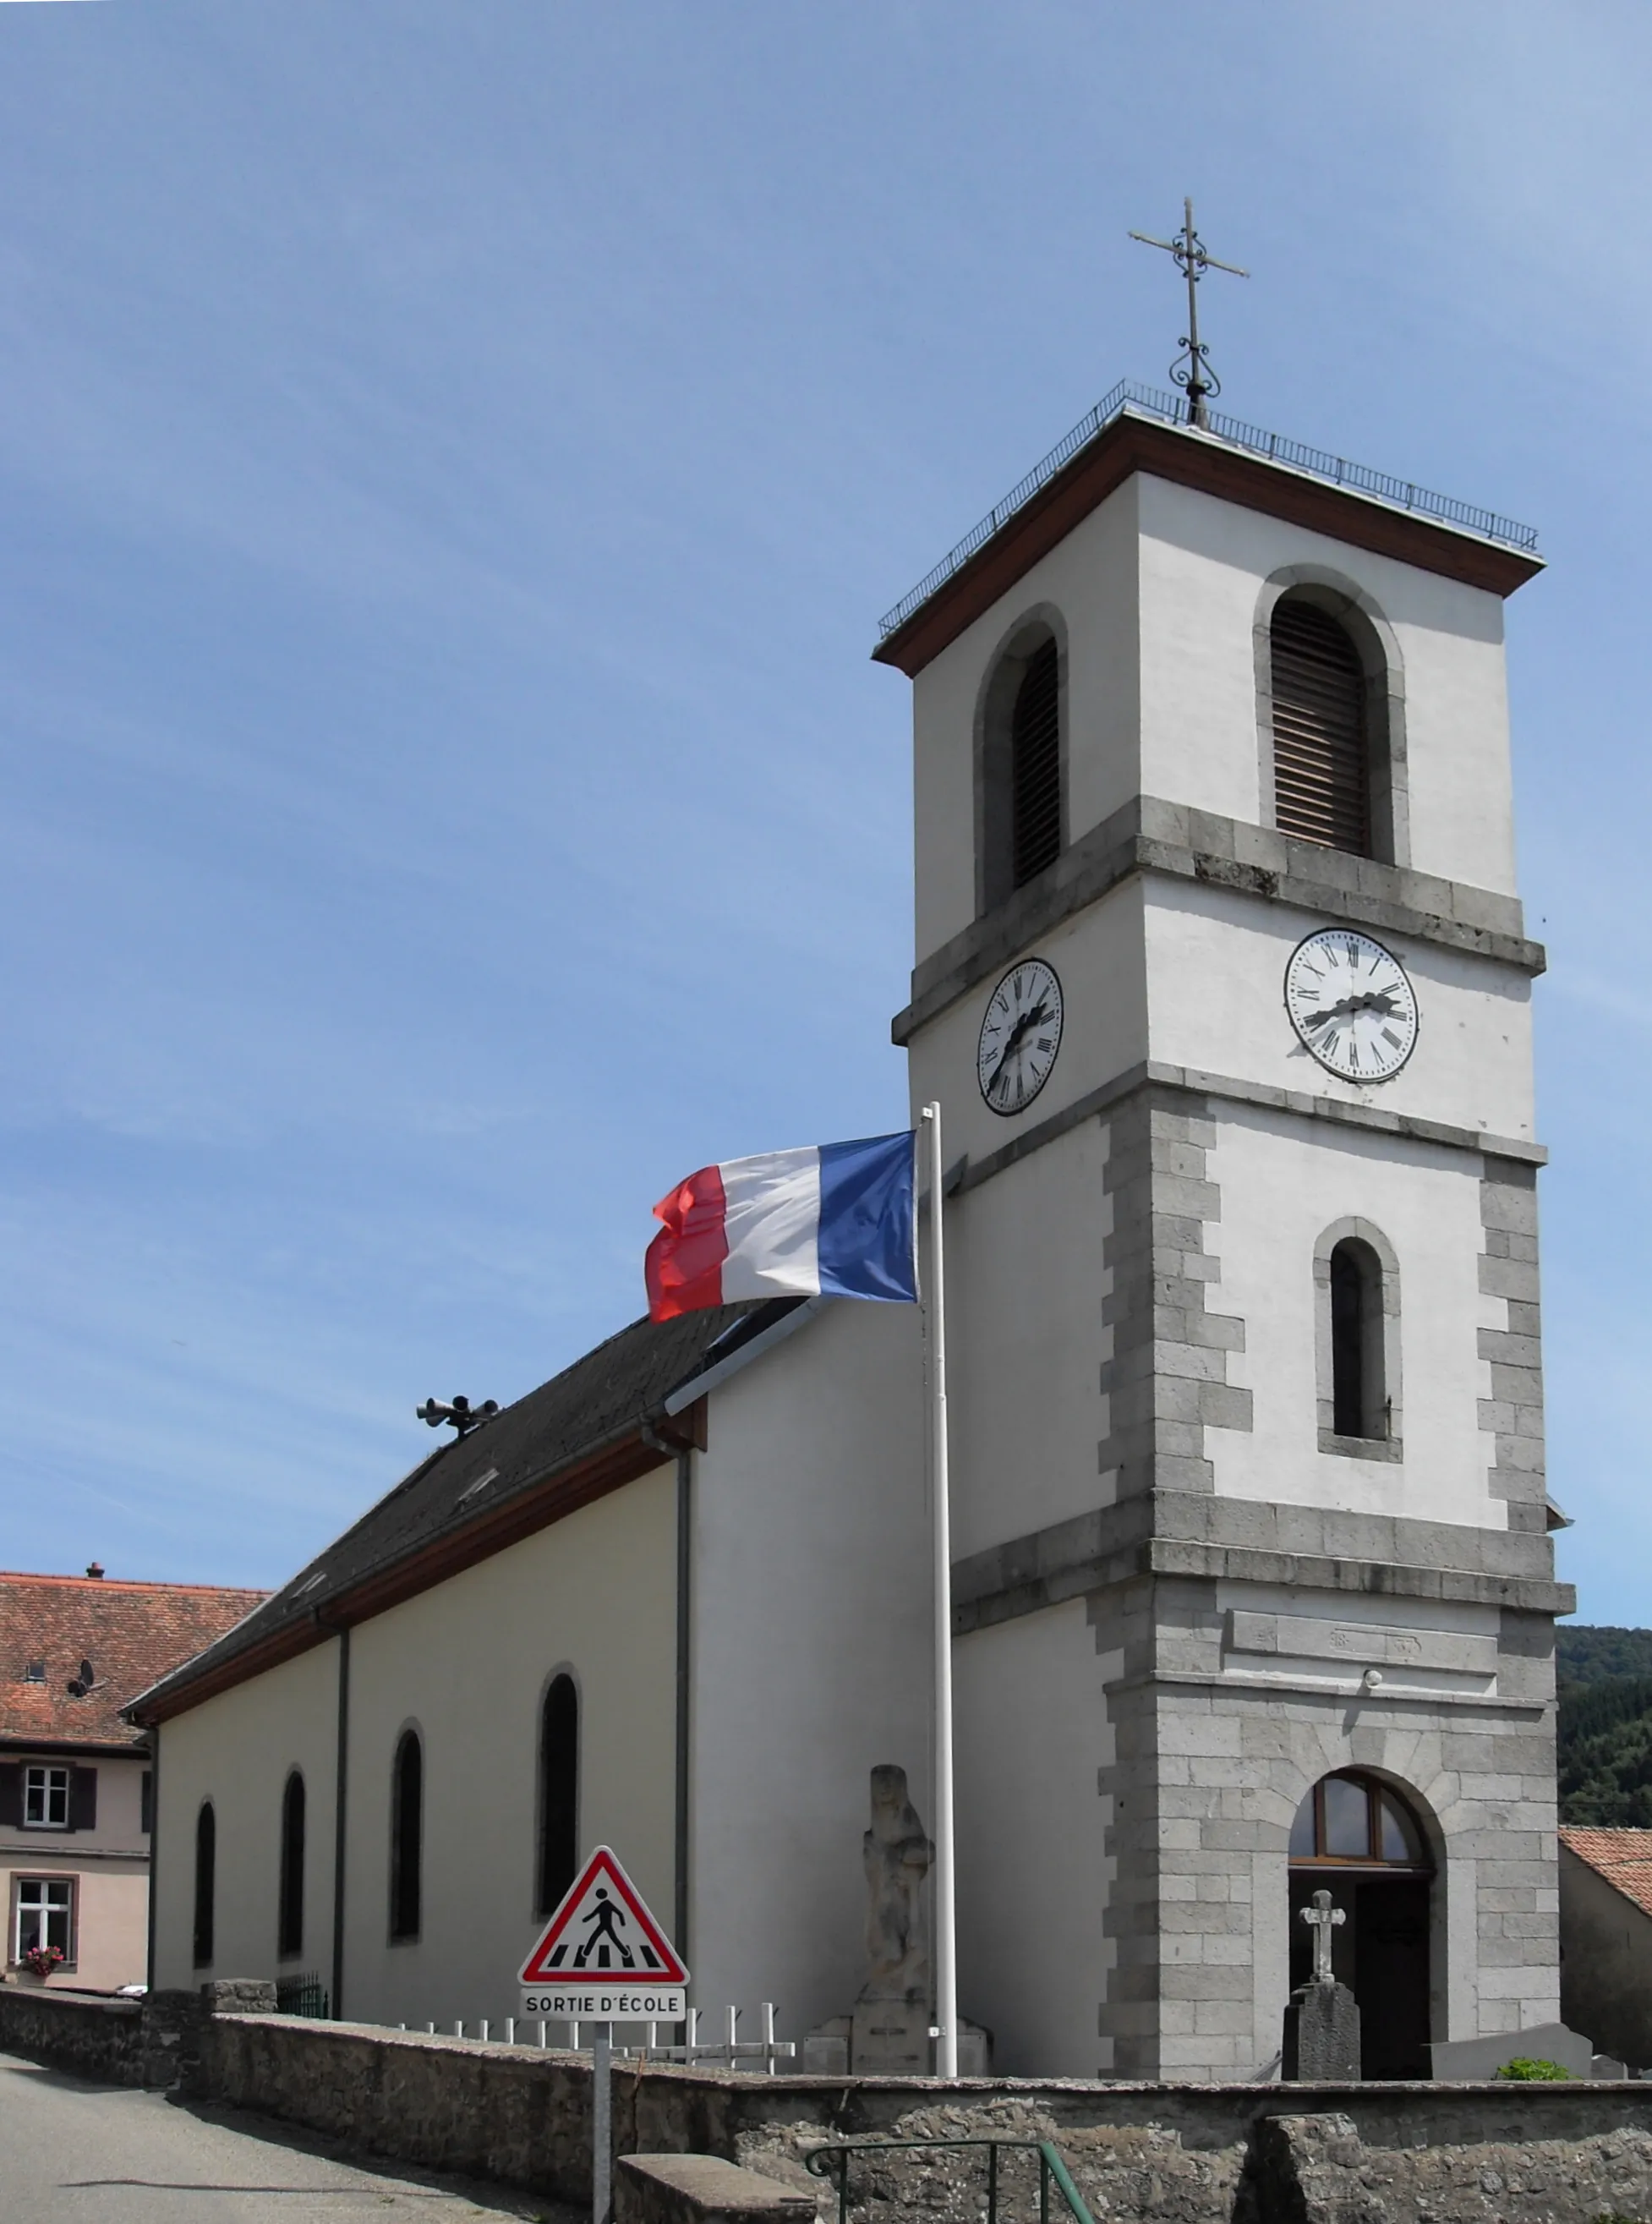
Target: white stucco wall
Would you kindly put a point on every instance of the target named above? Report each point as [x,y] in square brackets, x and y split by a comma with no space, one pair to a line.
[1024,1331]
[1203,564]
[236,1750]
[1033,1876]
[1283,1181]
[1160,588]
[1091,578]
[1216,969]
[468,1664]
[1098,956]
[811,1656]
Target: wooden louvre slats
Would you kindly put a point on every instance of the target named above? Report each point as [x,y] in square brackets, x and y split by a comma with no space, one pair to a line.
[1035,775]
[1321,766]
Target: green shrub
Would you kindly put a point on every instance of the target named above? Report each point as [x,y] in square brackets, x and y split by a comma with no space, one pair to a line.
[1523,2070]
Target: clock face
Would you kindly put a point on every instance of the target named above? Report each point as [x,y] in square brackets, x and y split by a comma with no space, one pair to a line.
[1019,1036]
[1351,1004]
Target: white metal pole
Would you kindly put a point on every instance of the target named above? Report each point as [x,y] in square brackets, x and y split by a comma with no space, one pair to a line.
[946,1922]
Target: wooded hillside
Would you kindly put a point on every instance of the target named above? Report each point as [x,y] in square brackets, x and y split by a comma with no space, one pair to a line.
[1604,1679]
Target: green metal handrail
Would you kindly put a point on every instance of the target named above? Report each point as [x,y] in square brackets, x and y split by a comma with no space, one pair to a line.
[819,2161]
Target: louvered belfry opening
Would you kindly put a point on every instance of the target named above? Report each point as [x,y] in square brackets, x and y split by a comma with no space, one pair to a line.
[1035,767]
[1322,755]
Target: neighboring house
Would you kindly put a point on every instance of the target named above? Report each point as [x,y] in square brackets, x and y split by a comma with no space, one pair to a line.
[75,1781]
[1606,1939]
[1253,1592]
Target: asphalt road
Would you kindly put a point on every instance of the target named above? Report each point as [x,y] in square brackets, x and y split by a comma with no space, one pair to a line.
[70,2151]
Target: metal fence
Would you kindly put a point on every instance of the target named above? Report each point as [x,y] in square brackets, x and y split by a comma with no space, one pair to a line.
[301,1996]
[759,2055]
[1127,399]
[832,2163]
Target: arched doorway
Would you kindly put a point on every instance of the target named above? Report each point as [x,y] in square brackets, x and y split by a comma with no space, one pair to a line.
[1355,1837]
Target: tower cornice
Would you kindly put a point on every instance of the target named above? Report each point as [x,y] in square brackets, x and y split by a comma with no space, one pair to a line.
[1127,442]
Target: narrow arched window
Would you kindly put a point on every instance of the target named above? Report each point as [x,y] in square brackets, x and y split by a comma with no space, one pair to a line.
[206,1862]
[558,1791]
[406,1836]
[1035,767]
[290,1919]
[1321,752]
[1358,1395]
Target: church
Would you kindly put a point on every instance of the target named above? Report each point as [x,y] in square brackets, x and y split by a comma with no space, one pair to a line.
[1253,1591]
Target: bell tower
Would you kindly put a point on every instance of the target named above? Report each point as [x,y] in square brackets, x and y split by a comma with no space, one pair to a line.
[1222,981]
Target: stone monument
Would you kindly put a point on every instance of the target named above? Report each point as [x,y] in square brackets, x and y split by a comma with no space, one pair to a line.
[887,2034]
[1322,2019]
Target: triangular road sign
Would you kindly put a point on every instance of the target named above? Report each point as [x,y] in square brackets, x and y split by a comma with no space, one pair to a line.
[602,1954]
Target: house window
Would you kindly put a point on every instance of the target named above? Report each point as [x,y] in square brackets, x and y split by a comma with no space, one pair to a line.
[45,1799]
[1321,752]
[207,1853]
[43,1916]
[35,1672]
[290,1919]
[406,1836]
[558,1791]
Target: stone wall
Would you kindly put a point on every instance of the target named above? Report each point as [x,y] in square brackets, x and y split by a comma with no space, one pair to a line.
[1179,2154]
[91,2037]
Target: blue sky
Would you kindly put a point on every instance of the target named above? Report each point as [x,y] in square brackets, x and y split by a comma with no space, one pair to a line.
[453,459]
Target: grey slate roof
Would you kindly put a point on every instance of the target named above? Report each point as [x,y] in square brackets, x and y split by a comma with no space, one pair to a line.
[598,1400]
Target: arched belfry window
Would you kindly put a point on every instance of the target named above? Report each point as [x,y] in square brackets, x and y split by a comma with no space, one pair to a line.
[206,1864]
[1357,1300]
[558,1791]
[1035,766]
[290,1918]
[406,1836]
[1322,742]
[1021,806]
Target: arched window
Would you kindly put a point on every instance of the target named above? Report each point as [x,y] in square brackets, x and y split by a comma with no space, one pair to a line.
[290,1918]
[1358,1398]
[1356,1332]
[206,1861]
[558,1791]
[1355,1818]
[1019,801]
[406,1836]
[1322,751]
[1357,1839]
[1035,767]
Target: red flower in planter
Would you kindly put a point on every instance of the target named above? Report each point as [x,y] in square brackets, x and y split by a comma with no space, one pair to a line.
[43,1959]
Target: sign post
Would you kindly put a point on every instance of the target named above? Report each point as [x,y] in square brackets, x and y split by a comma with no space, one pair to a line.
[604,1960]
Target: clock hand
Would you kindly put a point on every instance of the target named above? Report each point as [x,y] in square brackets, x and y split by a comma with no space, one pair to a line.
[1022,1028]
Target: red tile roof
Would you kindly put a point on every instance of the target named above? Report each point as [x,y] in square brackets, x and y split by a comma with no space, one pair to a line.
[1623,1857]
[131,1633]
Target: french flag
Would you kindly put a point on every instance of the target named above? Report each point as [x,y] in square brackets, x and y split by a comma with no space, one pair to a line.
[835,1220]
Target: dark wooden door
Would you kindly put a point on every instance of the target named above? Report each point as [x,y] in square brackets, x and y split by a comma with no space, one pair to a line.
[1391,1975]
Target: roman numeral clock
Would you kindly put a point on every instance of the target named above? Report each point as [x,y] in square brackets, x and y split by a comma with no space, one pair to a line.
[1350,1004]
[1020,1035]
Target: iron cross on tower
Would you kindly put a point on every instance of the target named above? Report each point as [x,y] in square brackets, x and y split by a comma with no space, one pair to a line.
[1192,369]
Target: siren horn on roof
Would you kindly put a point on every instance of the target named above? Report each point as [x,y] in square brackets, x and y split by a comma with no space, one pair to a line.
[459,1413]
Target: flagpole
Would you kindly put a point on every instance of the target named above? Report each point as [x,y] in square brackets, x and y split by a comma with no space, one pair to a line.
[946,1920]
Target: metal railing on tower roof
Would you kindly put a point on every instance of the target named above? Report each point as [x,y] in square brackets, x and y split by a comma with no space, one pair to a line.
[1127,399]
